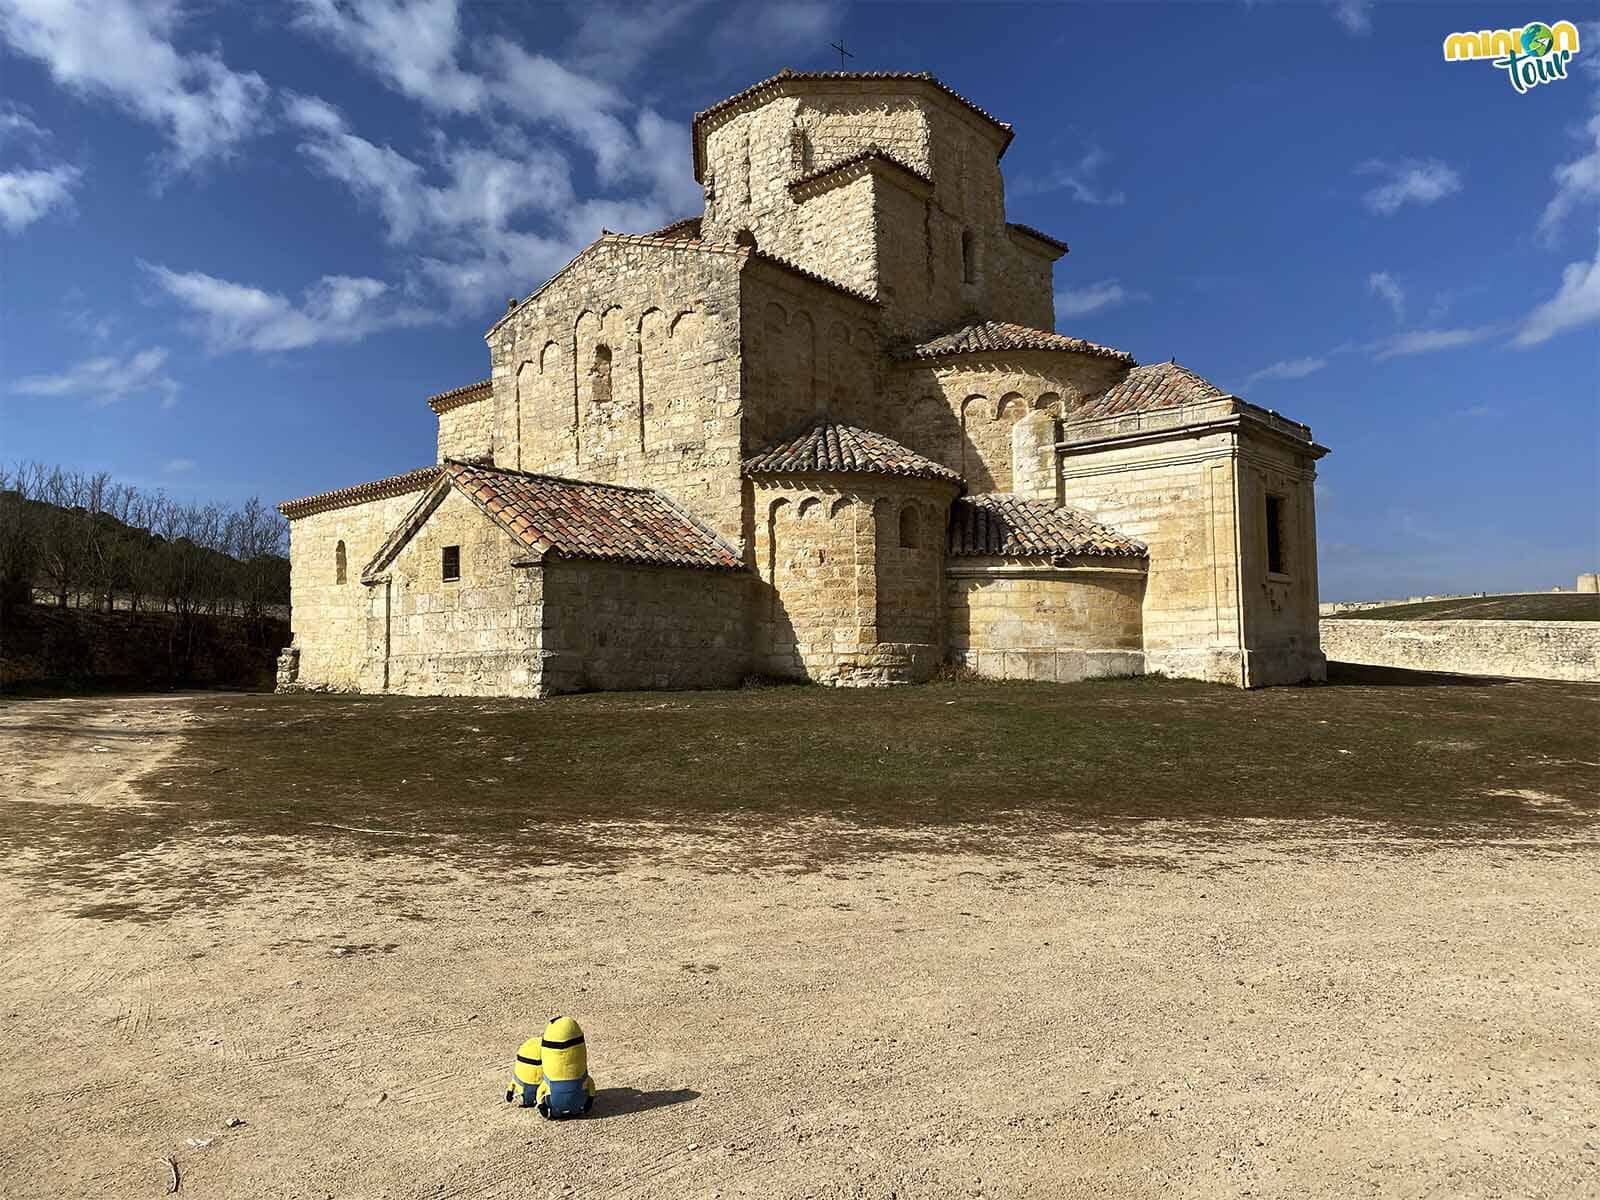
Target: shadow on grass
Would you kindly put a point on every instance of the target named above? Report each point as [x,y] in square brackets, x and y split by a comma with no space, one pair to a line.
[1069,779]
[1361,675]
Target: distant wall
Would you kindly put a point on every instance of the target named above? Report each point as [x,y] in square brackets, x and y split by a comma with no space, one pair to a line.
[1523,649]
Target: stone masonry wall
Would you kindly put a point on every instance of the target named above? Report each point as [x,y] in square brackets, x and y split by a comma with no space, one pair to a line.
[625,369]
[1524,649]
[898,240]
[841,600]
[1020,619]
[475,636]
[1177,497]
[467,431]
[1280,609]
[807,350]
[329,617]
[611,626]
[961,412]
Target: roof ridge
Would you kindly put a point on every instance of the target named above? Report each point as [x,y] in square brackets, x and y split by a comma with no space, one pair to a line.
[356,493]
[568,479]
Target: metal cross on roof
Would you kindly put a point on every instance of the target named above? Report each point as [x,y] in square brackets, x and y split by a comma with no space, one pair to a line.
[843,53]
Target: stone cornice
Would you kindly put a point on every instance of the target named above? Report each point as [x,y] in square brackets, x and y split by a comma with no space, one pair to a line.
[361,493]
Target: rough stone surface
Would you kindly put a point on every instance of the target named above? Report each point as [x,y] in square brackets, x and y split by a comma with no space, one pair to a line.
[853,267]
[1523,649]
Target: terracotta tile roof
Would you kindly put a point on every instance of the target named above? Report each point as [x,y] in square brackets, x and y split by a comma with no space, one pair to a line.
[862,158]
[825,445]
[577,519]
[1002,525]
[775,85]
[988,337]
[1040,235]
[688,229]
[1158,385]
[466,394]
[360,493]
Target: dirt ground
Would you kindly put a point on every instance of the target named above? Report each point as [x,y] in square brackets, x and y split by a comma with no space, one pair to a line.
[224,949]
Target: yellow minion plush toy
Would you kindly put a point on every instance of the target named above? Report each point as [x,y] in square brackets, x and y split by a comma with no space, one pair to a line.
[526,1075]
[565,1090]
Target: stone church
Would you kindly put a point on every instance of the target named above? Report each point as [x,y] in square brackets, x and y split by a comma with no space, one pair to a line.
[823,430]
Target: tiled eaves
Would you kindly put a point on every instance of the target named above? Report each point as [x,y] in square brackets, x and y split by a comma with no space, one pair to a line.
[874,159]
[828,447]
[360,493]
[1004,525]
[457,397]
[786,80]
[1000,337]
[1017,227]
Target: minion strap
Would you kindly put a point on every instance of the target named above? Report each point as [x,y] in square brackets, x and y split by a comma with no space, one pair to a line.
[528,1062]
[577,1041]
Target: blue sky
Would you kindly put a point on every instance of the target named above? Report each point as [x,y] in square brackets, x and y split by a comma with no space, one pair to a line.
[242,242]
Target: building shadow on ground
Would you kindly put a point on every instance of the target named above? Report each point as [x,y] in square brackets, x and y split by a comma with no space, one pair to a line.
[1357,674]
[620,1101]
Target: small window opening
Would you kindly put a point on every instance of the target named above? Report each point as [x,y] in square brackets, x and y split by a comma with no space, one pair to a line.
[1275,560]
[600,375]
[745,238]
[909,532]
[452,564]
[339,562]
[968,266]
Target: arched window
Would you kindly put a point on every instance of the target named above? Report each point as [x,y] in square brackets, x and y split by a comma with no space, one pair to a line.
[969,267]
[600,375]
[339,562]
[745,238]
[910,532]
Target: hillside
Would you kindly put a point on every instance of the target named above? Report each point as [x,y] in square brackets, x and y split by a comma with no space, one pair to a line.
[1535,606]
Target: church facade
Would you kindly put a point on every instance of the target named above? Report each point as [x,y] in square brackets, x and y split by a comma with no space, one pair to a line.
[823,430]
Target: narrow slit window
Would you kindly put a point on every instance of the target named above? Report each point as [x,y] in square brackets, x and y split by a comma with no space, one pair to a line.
[909,533]
[452,563]
[339,562]
[968,267]
[1276,565]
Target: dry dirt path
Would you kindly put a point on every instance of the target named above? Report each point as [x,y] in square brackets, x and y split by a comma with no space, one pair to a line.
[1318,1014]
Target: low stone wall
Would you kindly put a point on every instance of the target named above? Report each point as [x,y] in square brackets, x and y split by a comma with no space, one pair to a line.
[1524,649]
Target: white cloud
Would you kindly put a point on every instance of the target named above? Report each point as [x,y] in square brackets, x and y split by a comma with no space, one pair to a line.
[27,195]
[1092,297]
[178,466]
[1354,15]
[410,44]
[1576,182]
[1082,179]
[122,50]
[1293,368]
[1386,285]
[1427,341]
[106,379]
[235,316]
[1408,181]
[1575,304]
[16,125]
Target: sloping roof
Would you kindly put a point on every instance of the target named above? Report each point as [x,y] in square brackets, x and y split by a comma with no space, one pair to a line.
[825,445]
[687,229]
[1001,525]
[1158,385]
[466,394]
[861,158]
[1039,235]
[672,238]
[775,85]
[987,337]
[577,519]
[360,493]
